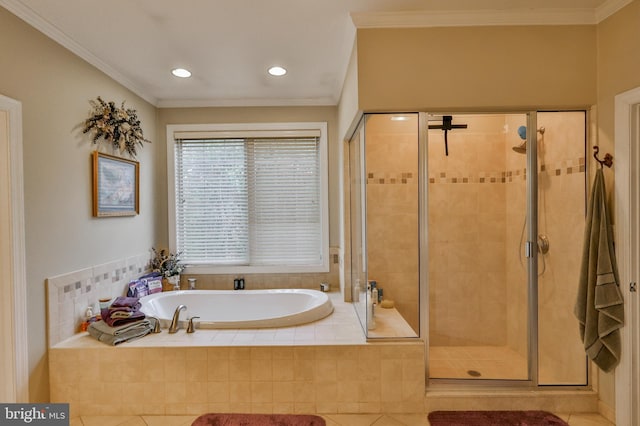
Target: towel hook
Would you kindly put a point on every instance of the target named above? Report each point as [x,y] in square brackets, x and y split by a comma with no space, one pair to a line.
[608,159]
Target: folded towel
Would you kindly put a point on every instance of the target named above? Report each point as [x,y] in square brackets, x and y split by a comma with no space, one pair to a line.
[120,314]
[115,319]
[126,302]
[599,305]
[124,333]
[103,327]
[122,310]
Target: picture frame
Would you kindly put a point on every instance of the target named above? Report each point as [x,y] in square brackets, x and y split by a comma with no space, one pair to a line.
[116,186]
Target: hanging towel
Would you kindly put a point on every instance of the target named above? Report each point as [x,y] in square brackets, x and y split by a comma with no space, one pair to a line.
[599,305]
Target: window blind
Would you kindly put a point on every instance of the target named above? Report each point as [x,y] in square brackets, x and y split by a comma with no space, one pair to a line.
[249,201]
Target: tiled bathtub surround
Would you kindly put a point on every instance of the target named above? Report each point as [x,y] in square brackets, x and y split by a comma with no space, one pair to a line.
[69,295]
[322,367]
[367,378]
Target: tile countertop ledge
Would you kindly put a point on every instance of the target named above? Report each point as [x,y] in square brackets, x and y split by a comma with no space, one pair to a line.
[342,327]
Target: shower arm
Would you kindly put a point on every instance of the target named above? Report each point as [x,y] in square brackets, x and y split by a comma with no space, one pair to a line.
[446,126]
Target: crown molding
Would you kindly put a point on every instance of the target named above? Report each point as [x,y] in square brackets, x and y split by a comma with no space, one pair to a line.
[38,22]
[411,19]
[245,102]
[609,7]
[459,18]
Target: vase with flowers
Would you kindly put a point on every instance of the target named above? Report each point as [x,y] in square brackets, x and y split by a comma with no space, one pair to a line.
[169,266]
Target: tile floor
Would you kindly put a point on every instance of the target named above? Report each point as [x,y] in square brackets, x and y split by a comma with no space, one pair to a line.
[331,419]
[476,362]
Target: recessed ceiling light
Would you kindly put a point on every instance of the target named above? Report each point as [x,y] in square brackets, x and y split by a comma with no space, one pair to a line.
[399,118]
[277,71]
[181,72]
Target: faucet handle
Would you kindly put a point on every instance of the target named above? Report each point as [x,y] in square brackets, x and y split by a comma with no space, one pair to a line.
[191,327]
[156,325]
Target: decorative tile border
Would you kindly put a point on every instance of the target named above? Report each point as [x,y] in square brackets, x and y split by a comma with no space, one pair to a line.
[69,295]
[564,167]
[401,178]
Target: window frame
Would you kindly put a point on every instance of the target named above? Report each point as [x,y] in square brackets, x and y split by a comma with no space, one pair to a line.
[280,129]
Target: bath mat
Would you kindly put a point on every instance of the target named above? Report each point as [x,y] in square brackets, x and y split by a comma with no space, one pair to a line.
[230,419]
[494,418]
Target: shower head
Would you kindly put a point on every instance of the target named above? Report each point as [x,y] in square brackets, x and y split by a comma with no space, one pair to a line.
[522,132]
[521,149]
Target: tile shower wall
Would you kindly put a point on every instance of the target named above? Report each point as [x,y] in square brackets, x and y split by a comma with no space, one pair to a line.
[561,214]
[392,211]
[561,217]
[69,295]
[466,200]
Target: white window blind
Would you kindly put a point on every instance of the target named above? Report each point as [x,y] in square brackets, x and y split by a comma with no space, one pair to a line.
[253,201]
[212,209]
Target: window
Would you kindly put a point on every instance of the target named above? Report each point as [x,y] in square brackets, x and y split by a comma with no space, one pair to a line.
[249,198]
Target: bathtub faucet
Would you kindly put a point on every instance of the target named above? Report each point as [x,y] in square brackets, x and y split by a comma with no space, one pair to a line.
[174,322]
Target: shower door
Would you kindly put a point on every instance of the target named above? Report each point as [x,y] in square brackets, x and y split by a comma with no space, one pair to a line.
[504,246]
[477,273]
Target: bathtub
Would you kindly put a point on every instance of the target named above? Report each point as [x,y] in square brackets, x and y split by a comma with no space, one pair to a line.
[240,309]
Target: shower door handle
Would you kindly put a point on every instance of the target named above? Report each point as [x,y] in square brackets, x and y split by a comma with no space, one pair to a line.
[527,249]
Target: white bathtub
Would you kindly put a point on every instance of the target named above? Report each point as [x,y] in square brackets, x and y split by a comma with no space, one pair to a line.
[241,308]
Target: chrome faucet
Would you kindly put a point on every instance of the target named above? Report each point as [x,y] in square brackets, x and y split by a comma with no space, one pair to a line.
[174,322]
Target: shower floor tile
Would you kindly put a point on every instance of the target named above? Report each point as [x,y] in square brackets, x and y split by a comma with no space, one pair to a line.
[476,362]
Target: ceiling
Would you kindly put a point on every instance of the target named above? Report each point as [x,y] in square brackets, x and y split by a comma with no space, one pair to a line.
[229,44]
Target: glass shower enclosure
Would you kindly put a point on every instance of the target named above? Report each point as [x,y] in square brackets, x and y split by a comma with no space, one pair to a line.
[466,247]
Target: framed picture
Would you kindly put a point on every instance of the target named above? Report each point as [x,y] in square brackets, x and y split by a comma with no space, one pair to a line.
[115,186]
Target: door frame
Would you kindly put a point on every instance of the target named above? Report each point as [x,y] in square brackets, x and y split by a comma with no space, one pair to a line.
[627,202]
[13,282]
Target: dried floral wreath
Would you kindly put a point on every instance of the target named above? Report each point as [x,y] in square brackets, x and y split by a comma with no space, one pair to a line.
[118,126]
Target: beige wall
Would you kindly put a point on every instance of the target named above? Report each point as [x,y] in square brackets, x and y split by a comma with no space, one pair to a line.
[254,115]
[348,105]
[476,68]
[618,65]
[55,87]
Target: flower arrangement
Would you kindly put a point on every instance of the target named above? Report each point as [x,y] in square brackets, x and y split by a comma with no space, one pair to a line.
[118,126]
[165,262]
